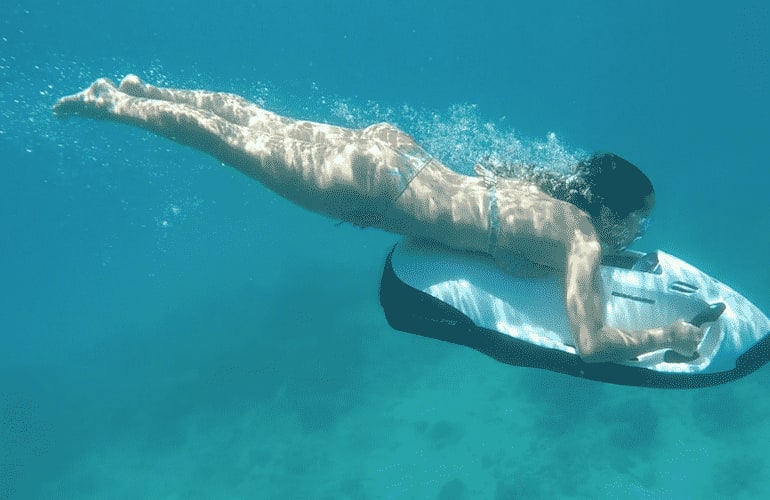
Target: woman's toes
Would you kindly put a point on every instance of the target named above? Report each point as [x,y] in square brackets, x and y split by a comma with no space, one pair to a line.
[133,85]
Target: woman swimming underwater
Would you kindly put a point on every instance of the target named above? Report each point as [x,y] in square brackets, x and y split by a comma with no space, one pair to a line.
[379,177]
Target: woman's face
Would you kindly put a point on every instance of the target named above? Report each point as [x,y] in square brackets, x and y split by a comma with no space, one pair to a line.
[617,235]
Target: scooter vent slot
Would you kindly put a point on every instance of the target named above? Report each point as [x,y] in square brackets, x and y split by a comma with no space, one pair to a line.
[682,287]
[632,297]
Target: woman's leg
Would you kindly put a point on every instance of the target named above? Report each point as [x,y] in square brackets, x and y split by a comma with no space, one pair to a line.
[230,107]
[353,175]
[180,122]
[239,111]
[242,112]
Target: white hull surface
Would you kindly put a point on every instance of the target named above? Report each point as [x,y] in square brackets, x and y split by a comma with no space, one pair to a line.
[466,299]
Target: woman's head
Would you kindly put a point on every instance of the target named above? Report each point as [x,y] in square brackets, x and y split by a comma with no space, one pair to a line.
[618,196]
[613,192]
[614,183]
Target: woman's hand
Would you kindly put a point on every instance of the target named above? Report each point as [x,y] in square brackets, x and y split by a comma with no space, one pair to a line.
[685,337]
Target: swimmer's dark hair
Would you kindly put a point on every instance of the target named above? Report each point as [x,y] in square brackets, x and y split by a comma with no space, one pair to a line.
[603,180]
[614,183]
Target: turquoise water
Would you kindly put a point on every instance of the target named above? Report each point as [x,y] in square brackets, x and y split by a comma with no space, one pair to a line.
[171,329]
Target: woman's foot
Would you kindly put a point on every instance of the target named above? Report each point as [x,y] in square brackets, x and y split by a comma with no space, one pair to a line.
[97,100]
[135,86]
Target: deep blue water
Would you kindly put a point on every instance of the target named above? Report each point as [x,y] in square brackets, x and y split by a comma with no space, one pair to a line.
[171,329]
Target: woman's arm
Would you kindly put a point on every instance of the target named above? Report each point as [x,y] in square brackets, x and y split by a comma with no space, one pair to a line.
[558,235]
[595,340]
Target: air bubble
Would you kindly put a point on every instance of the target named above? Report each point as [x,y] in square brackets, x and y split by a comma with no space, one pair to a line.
[460,137]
